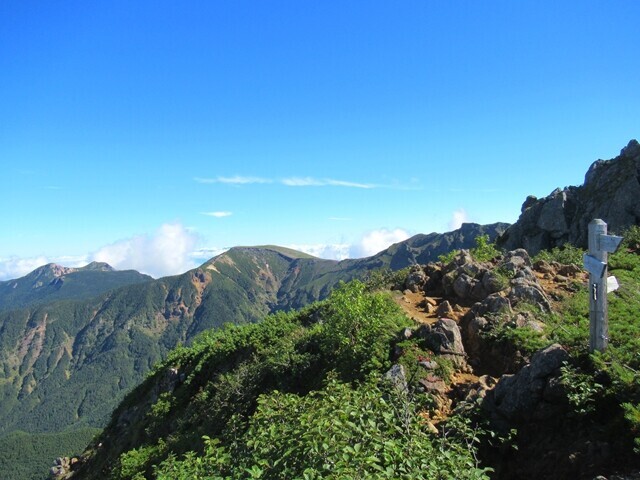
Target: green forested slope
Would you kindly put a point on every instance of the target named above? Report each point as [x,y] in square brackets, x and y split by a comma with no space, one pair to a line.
[28,456]
[297,396]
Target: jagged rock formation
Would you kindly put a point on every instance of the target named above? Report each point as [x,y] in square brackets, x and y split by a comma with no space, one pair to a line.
[534,393]
[421,249]
[611,192]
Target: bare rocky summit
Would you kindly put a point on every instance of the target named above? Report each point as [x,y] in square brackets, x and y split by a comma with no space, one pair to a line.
[611,192]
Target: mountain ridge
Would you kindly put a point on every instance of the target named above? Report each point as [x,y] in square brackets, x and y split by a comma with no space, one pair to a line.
[77,357]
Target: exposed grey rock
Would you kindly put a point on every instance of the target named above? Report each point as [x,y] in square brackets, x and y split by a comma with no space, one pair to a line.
[406,333]
[463,285]
[443,338]
[428,364]
[493,304]
[473,393]
[492,282]
[522,396]
[434,385]
[416,279]
[529,201]
[543,266]
[523,290]
[397,377]
[444,309]
[569,270]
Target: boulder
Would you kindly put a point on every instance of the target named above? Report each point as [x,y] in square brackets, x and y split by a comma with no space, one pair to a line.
[443,338]
[529,393]
[444,309]
[524,290]
[416,279]
[397,377]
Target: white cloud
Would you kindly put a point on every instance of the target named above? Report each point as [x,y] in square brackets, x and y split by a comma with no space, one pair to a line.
[316,182]
[301,182]
[166,252]
[334,251]
[203,254]
[217,214]
[306,182]
[342,183]
[15,267]
[457,219]
[235,180]
[377,240]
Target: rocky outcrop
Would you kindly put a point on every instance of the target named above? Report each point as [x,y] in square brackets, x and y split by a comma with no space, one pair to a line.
[610,192]
[494,294]
[444,338]
[534,393]
[62,468]
[422,249]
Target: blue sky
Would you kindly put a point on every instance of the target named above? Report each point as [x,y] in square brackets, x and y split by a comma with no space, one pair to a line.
[153,135]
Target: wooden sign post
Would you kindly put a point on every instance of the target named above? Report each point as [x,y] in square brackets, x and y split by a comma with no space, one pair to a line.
[595,262]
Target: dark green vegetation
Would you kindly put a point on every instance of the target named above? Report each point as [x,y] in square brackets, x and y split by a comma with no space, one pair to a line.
[299,395]
[52,282]
[29,455]
[67,363]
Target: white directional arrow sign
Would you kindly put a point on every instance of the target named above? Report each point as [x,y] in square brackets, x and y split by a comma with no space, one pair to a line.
[594,266]
[609,243]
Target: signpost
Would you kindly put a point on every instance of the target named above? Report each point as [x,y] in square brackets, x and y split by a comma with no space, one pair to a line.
[595,262]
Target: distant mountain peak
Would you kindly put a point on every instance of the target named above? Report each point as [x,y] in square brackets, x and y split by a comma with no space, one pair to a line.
[98,266]
[53,270]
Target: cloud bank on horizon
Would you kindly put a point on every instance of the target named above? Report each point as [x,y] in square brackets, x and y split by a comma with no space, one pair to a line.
[172,249]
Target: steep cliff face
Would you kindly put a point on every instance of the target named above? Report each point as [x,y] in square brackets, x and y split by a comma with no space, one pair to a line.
[611,192]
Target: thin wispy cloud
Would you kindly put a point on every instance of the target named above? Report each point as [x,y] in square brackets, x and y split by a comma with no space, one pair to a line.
[235,180]
[305,182]
[322,182]
[217,214]
[301,182]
